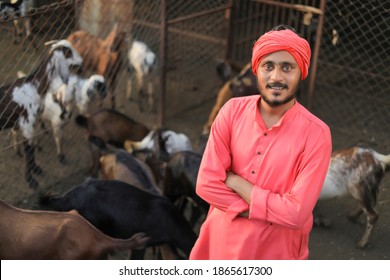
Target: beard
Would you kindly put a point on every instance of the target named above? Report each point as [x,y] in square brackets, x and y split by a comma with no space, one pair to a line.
[276,103]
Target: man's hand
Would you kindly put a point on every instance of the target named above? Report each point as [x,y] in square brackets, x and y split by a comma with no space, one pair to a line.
[239,185]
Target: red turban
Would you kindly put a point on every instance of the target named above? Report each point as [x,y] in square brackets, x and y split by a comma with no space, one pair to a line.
[282,40]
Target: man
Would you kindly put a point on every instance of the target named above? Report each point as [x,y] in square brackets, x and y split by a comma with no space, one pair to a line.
[265,162]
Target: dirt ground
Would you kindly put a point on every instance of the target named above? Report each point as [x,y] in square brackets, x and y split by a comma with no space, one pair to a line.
[334,243]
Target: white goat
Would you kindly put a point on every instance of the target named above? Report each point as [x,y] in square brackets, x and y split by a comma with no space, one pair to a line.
[163,142]
[144,62]
[357,171]
[59,105]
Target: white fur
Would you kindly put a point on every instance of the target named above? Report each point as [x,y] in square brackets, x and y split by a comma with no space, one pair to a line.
[143,60]
[357,171]
[334,185]
[27,97]
[27,101]
[59,105]
[175,142]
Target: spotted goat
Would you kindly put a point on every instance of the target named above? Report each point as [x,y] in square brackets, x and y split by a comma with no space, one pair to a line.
[21,100]
[358,172]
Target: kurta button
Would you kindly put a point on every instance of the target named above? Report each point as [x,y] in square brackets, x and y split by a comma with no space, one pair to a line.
[258,153]
[253,172]
[265,133]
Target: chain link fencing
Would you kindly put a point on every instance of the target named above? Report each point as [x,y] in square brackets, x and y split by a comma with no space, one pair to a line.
[353,81]
[346,87]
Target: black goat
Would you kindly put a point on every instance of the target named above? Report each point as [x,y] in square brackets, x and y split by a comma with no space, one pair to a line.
[121,210]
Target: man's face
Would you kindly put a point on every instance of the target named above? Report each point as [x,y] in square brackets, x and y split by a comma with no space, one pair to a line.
[278,76]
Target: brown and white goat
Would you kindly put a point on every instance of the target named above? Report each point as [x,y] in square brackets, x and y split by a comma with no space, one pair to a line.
[357,171]
[125,167]
[59,106]
[101,56]
[43,235]
[241,85]
[21,100]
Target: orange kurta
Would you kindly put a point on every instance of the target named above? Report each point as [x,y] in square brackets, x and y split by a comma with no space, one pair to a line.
[286,164]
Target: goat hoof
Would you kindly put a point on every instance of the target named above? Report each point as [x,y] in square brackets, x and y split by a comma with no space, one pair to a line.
[320,221]
[361,244]
[61,158]
[33,184]
[37,170]
[353,219]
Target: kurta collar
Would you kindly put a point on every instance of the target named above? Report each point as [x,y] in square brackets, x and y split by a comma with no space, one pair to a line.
[287,116]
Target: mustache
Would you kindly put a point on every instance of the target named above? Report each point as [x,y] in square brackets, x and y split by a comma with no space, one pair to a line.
[271,85]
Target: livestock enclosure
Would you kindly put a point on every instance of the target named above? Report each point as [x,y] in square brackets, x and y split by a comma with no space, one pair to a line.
[347,85]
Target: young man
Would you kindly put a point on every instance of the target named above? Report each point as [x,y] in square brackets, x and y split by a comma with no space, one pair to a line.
[265,162]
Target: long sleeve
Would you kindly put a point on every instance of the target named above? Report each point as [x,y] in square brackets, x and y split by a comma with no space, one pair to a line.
[216,161]
[279,171]
[286,164]
[295,206]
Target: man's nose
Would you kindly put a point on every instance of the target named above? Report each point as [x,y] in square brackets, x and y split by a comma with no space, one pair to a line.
[277,74]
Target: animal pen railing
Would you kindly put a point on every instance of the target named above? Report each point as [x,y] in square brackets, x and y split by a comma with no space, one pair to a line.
[352,83]
[189,38]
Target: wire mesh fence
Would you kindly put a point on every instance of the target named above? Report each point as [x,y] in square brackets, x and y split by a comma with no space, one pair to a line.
[353,83]
[194,39]
[188,38]
[347,86]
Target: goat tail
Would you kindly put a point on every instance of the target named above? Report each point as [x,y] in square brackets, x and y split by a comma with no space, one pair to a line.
[50,201]
[82,121]
[137,241]
[45,198]
[383,159]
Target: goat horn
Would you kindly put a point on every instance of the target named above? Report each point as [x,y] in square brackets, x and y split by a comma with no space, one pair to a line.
[51,42]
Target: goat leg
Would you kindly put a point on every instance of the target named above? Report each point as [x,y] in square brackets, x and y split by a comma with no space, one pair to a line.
[30,156]
[16,145]
[354,216]
[112,100]
[151,103]
[95,155]
[30,164]
[372,217]
[129,89]
[137,254]
[57,133]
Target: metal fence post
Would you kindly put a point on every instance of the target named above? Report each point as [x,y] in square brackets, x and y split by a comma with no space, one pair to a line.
[163,55]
